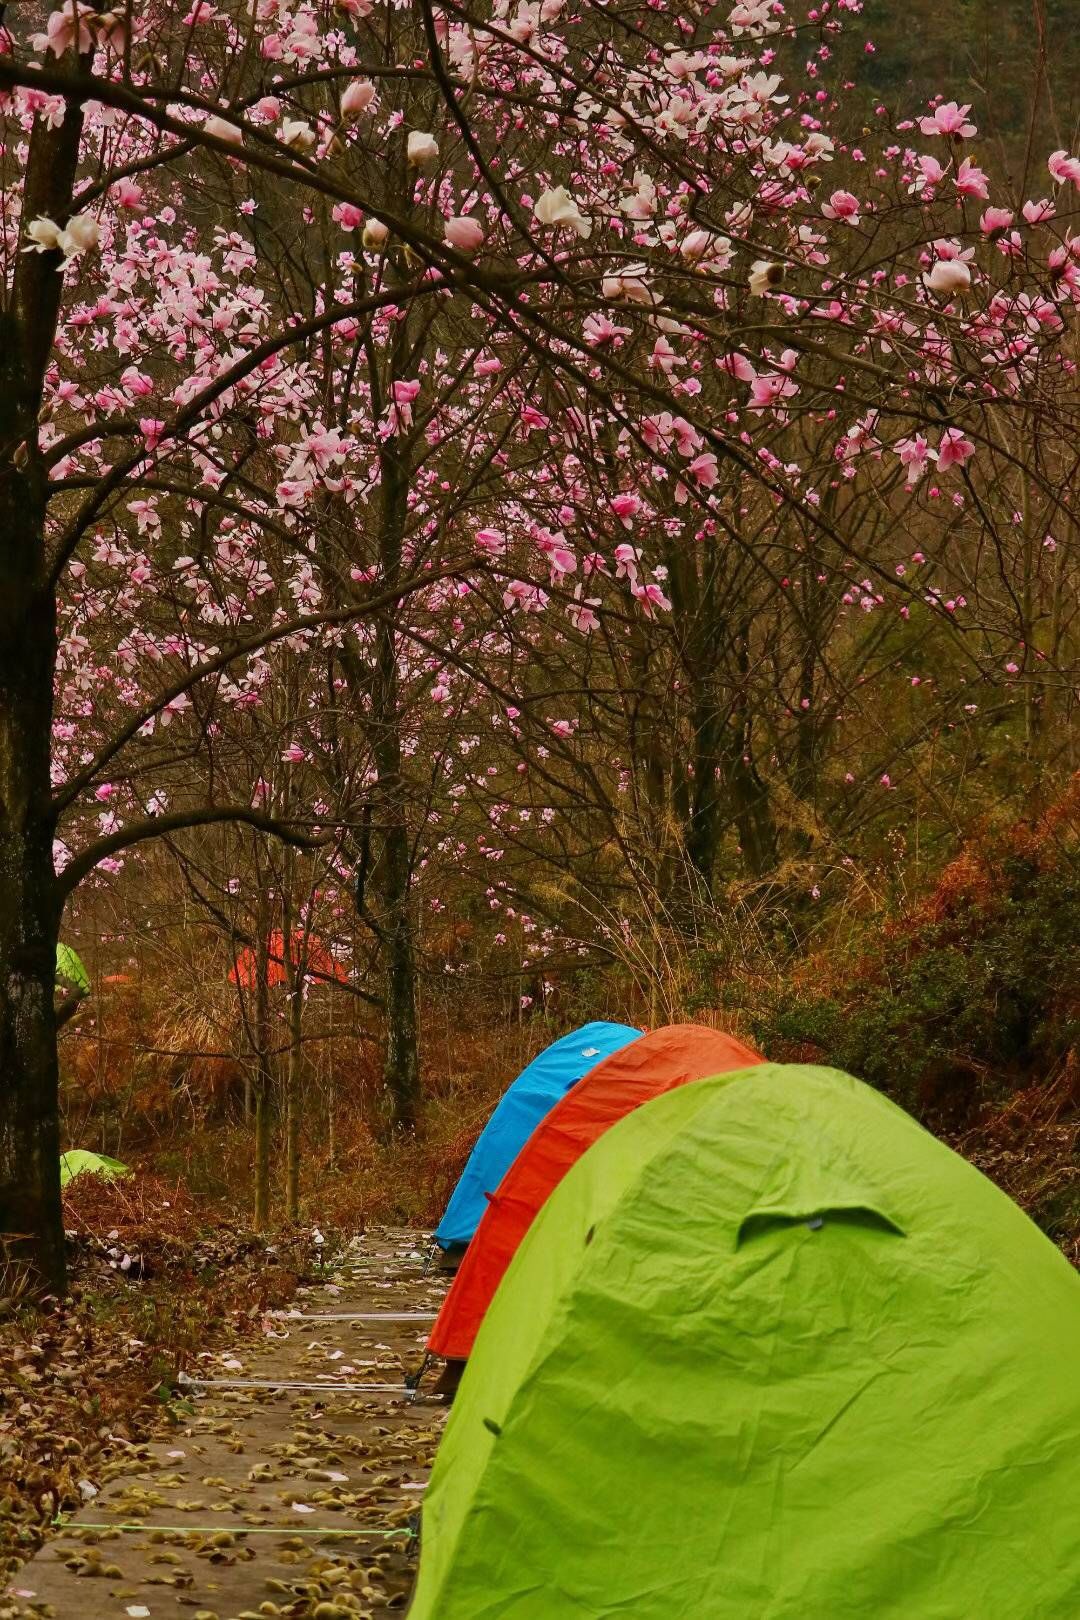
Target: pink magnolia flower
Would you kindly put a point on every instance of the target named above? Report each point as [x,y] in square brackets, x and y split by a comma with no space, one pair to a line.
[770,389]
[357,99]
[930,172]
[70,28]
[949,119]
[1037,213]
[626,562]
[704,470]
[650,597]
[347,215]
[687,437]
[1063,167]
[464,233]
[152,429]
[581,612]
[737,365]
[403,394]
[995,221]
[914,456]
[294,754]
[561,559]
[696,244]
[599,328]
[970,180]
[529,598]
[843,206]
[492,541]
[954,450]
[126,194]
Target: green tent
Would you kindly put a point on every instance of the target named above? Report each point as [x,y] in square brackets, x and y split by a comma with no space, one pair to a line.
[70,969]
[79,1161]
[769,1350]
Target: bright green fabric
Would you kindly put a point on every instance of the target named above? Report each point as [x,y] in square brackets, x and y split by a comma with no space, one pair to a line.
[69,968]
[77,1161]
[710,1410]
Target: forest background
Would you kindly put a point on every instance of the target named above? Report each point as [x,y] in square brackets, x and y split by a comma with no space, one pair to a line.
[820,787]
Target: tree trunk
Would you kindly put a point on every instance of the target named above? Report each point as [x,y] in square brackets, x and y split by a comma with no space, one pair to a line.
[748,793]
[30,1216]
[264,1138]
[293,1100]
[393,875]
[401,1064]
[264,1076]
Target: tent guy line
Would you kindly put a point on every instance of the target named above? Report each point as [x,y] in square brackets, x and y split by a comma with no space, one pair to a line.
[357,1316]
[368,1532]
[196,1384]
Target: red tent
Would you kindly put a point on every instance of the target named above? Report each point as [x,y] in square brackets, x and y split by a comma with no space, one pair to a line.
[657,1062]
[319,964]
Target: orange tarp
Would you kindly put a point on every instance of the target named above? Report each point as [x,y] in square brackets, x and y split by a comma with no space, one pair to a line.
[659,1061]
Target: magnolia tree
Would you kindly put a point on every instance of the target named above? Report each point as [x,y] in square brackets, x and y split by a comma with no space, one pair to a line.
[387,336]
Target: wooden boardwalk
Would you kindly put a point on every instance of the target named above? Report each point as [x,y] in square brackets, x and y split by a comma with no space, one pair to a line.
[272,1500]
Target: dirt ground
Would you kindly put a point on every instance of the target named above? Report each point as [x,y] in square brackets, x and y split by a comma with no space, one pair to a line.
[270,1501]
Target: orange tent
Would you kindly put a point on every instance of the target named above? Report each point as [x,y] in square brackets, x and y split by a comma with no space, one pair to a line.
[657,1062]
[318,964]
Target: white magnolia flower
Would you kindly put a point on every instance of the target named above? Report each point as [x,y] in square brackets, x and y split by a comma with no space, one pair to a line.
[375,234]
[222,130]
[81,234]
[765,277]
[44,235]
[631,286]
[422,148]
[556,207]
[297,133]
[948,276]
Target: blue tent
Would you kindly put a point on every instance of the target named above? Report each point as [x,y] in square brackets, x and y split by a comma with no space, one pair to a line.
[521,1108]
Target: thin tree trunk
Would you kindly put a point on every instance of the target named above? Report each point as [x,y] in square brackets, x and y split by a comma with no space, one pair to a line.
[264,1137]
[401,1063]
[293,1100]
[264,1078]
